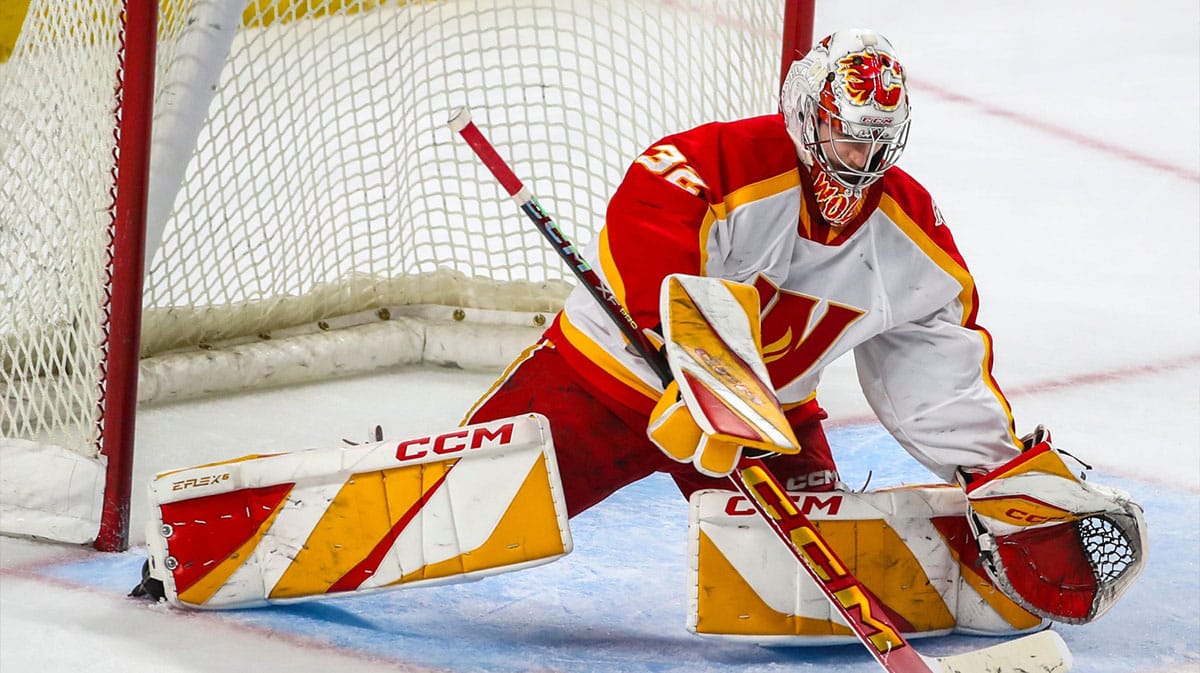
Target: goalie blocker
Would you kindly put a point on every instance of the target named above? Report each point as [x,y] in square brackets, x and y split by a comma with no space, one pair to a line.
[463,504]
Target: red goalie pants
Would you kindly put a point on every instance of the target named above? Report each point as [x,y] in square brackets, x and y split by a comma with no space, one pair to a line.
[602,445]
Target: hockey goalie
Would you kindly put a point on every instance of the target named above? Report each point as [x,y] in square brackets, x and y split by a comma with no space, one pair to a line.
[998,552]
[755,252]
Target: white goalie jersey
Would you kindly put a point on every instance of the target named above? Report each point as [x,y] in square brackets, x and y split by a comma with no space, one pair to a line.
[728,200]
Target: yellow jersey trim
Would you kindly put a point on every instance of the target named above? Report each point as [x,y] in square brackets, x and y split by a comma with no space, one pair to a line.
[935,252]
[966,297]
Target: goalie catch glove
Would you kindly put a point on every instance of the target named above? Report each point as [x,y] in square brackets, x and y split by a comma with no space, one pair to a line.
[1060,547]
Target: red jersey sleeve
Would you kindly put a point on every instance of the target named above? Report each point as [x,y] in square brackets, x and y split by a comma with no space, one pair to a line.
[657,221]
[653,228]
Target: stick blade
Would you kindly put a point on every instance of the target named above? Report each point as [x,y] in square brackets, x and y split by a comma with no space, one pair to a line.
[1043,652]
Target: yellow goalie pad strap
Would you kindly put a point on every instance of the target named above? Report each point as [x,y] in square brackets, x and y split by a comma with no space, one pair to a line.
[713,345]
[900,543]
[462,504]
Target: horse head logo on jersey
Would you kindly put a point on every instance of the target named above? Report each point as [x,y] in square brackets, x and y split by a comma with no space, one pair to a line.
[871,77]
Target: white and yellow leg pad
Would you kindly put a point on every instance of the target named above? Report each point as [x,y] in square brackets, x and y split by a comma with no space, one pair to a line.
[470,502]
[912,546]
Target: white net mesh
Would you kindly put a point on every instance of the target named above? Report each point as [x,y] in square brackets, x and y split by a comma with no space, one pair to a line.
[341,168]
[56,147]
[322,180]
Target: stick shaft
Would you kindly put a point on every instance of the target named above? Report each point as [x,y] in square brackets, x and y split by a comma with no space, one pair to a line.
[865,614]
[595,285]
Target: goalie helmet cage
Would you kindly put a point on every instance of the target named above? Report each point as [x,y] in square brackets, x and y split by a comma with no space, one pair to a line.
[306,214]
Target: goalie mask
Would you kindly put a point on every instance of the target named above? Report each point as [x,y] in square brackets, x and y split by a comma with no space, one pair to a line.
[846,108]
[1058,546]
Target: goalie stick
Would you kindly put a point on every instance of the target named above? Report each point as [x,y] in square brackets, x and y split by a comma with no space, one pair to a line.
[1043,652]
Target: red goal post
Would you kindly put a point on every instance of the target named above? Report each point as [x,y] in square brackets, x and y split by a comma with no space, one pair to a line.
[305,210]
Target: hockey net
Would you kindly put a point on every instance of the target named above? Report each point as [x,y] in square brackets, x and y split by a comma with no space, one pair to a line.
[309,214]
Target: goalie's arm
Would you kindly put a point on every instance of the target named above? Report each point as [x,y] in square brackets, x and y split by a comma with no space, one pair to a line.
[652,229]
[930,384]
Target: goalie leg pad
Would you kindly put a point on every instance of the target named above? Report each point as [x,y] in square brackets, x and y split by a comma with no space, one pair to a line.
[911,546]
[463,504]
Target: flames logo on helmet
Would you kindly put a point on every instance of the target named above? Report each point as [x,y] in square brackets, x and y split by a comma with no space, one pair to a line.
[853,85]
[871,76]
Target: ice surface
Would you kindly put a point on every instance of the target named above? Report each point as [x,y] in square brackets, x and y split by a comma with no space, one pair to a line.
[1062,142]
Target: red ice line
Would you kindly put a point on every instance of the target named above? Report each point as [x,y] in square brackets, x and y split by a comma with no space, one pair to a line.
[1062,132]
[1067,382]
[1110,376]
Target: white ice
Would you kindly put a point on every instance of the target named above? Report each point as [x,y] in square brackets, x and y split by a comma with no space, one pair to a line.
[1062,143]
